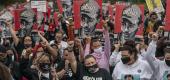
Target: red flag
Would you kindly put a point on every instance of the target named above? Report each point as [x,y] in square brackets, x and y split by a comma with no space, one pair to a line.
[110,8]
[59,6]
[167,19]
[100,24]
[55,15]
[17,19]
[141,26]
[118,20]
[48,12]
[77,18]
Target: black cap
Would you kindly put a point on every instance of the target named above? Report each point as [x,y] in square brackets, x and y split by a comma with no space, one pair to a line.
[2,49]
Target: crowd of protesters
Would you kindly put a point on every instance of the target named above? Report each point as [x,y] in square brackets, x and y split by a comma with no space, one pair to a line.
[61,55]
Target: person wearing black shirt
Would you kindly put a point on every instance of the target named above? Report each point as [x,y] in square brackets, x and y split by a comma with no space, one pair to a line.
[88,71]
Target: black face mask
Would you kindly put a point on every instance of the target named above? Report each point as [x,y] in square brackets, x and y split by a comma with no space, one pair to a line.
[167,62]
[125,60]
[45,67]
[92,68]
[9,60]
[27,45]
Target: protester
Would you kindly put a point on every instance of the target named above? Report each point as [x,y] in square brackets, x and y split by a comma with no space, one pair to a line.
[160,68]
[102,56]
[5,73]
[89,70]
[131,64]
[151,24]
[84,40]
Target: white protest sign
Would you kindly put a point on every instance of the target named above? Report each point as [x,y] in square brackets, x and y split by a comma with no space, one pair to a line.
[40,5]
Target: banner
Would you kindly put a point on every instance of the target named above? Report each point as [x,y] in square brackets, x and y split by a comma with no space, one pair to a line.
[77,18]
[141,26]
[17,19]
[155,5]
[167,18]
[158,7]
[59,6]
[150,5]
[118,20]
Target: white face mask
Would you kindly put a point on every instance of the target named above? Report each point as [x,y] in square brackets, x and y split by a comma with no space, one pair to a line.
[46,75]
[98,50]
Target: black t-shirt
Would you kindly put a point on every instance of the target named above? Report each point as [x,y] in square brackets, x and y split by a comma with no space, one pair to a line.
[19,48]
[69,75]
[83,74]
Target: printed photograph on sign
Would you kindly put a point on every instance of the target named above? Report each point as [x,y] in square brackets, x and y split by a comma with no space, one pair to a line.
[131,19]
[27,17]
[67,6]
[90,14]
[4,31]
[130,77]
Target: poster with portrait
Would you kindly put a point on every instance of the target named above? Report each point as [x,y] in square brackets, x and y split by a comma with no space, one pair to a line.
[127,21]
[67,6]
[4,30]
[27,18]
[90,16]
[130,77]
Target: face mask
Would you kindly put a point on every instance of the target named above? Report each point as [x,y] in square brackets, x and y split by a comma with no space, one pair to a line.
[125,60]
[45,67]
[92,68]
[98,50]
[27,45]
[167,62]
[46,75]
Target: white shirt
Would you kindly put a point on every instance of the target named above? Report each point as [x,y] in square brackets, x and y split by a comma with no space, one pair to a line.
[159,67]
[116,57]
[139,70]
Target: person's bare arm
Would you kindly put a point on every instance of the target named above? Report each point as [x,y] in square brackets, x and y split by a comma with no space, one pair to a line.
[81,50]
[46,43]
[13,33]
